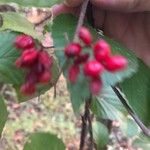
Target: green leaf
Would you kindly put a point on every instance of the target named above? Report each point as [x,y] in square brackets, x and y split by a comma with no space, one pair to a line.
[42,141]
[63,30]
[79,92]
[108,106]
[10,74]
[35,3]
[3,114]
[137,91]
[16,22]
[101,134]
[129,128]
[142,142]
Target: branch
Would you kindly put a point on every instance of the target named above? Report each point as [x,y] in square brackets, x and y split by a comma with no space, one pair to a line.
[90,131]
[145,130]
[81,18]
[84,127]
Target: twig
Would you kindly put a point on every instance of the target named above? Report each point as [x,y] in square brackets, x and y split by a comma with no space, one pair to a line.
[145,130]
[81,18]
[84,127]
[90,132]
[86,119]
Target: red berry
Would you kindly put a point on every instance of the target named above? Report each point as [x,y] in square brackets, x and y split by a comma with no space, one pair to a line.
[28,89]
[116,63]
[102,50]
[95,86]
[24,42]
[32,77]
[85,35]
[82,58]
[44,77]
[45,59]
[73,73]
[29,57]
[93,68]
[38,68]
[72,50]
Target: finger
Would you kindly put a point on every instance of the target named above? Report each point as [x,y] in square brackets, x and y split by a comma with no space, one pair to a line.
[73,3]
[123,5]
[62,9]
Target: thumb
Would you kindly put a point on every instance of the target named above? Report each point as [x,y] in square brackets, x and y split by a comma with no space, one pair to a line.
[73,3]
[123,5]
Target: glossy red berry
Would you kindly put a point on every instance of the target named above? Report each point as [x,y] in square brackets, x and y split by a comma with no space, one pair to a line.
[45,59]
[44,77]
[85,35]
[24,42]
[32,77]
[73,73]
[28,89]
[72,50]
[82,58]
[116,63]
[29,56]
[93,69]
[102,50]
[95,86]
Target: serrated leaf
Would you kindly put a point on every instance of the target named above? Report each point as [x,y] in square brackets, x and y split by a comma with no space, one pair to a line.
[16,22]
[42,141]
[101,134]
[3,114]
[79,92]
[137,91]
[35,3]
[129,128]
[108,106]
[142,142]
[10,74]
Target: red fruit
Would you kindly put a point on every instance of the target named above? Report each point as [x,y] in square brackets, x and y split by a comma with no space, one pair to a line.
[38,68]
[73,73]
[72,50]
[44,77]
[93,69]
[116,63]
[45,59]
[28,89]
[82,58]
[32,77]
[95,86]
[24,42]
[85,35]
[102,50]
[29,57]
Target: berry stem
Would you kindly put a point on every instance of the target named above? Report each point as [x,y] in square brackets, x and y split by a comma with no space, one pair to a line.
[81,19]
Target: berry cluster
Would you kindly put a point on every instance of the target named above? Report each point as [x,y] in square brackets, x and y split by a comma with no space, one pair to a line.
[92,66]
[36,62]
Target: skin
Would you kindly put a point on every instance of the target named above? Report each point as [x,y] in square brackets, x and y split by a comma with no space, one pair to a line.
[127,21]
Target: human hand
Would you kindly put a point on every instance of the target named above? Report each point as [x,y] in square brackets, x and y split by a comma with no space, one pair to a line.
[126,21]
